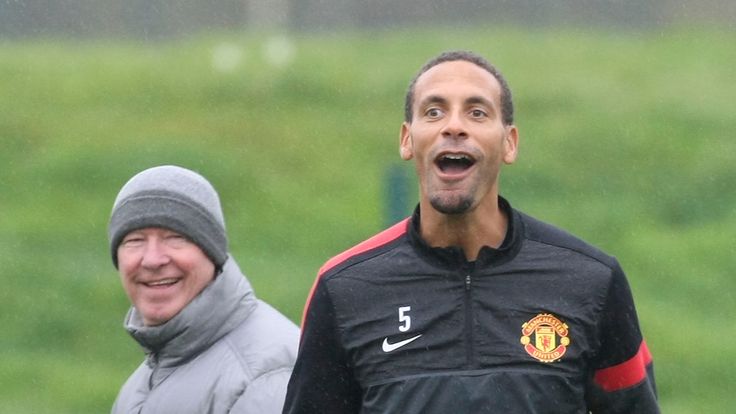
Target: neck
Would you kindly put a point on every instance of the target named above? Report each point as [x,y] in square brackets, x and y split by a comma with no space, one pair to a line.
[485,225]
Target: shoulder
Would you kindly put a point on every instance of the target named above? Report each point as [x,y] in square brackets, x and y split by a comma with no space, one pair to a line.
[266,341]
[265,395]
[133,391]
[366,249]
[554,237]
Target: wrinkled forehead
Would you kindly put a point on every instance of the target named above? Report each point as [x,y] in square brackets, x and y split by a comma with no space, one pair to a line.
[457,77]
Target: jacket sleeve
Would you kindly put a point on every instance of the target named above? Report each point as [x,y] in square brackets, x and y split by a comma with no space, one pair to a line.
[265,395]
[622,381]
[322,381]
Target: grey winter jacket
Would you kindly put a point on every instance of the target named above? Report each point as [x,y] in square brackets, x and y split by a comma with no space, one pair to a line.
[225,352]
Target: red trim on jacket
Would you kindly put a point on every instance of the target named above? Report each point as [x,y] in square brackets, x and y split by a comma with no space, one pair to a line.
[384,237]
[626,374]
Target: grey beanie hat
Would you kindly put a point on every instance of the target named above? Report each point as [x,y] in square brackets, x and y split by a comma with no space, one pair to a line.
[174,198]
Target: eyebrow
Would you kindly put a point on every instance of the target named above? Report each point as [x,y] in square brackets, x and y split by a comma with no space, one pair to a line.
[479,100]
[473,100]
[432,99]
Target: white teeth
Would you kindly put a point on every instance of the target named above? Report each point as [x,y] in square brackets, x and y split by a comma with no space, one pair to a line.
[162,282]
[456,157]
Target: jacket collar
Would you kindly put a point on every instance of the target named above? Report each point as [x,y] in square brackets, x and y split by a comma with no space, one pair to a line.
[218,309]
[454,256]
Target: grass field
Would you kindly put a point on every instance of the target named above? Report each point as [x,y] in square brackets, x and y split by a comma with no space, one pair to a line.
[626,141]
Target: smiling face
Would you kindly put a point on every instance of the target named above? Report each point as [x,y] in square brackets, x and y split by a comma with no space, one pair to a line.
[457,137]
[162,272]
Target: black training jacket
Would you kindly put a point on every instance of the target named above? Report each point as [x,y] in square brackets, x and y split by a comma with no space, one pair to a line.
[544,324]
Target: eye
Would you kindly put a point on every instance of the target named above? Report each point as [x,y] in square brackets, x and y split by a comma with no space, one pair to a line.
[478,113]
[433,113]
[176,240]
[132,240]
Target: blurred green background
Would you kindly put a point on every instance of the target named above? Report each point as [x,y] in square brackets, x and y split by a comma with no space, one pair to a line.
[626,141]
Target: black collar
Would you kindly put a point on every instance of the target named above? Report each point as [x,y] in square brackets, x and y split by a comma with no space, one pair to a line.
[453,256]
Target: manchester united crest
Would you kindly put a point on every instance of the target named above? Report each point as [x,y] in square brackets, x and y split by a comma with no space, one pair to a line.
[545,337]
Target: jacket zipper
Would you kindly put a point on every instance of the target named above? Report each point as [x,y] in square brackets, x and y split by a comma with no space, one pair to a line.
[469,337]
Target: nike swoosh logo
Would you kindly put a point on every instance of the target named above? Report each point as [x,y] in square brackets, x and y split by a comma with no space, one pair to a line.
[387,347]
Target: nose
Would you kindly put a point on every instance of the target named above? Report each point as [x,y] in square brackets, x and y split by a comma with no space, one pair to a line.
[154,255]
[455,127]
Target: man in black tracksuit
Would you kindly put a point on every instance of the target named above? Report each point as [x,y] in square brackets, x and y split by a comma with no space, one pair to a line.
[469,306]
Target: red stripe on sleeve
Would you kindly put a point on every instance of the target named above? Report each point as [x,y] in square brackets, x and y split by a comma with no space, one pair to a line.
[384,237]
[626,374]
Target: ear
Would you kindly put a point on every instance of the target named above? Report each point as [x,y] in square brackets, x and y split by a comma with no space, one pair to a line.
[405,142]
[510,144]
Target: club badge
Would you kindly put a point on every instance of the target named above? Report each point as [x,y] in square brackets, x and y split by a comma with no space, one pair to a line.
[545,337]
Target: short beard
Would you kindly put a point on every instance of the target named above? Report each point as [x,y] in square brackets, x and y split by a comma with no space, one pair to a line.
[455,206]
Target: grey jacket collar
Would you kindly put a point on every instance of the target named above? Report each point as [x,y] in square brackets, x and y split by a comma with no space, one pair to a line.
[218,309]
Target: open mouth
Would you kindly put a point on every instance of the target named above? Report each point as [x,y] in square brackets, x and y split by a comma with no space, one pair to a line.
[454,163]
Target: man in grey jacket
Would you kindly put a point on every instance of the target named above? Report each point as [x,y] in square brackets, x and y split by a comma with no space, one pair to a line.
[211,346]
